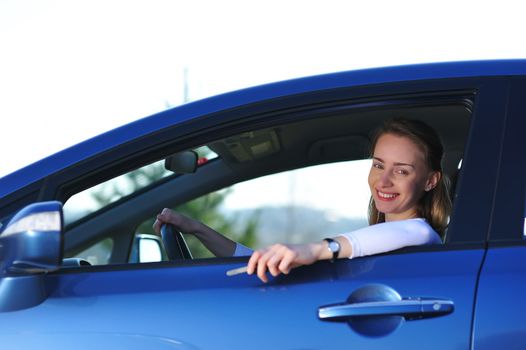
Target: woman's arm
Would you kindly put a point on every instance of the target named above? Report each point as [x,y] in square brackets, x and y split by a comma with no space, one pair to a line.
[218,244]
[389,236]
[374,239]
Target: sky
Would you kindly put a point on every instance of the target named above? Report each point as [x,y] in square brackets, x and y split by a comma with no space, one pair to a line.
[71,69]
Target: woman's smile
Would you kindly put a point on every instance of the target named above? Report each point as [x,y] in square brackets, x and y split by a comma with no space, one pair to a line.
[386,196]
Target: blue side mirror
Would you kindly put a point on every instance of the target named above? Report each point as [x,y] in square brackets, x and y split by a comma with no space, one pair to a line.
[30,245]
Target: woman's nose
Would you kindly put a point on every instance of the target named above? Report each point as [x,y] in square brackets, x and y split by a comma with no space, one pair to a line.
[385,179]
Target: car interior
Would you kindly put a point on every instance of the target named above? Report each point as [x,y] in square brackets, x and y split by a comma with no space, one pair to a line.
[333,134]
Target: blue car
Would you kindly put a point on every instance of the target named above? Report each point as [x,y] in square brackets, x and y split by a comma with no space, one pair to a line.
[82,268]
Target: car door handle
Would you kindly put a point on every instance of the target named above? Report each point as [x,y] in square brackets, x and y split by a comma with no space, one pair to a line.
[410,308]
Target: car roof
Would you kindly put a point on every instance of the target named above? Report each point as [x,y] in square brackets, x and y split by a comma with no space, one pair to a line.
[142,127]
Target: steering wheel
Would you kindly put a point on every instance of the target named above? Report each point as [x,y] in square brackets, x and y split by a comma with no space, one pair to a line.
[174,243]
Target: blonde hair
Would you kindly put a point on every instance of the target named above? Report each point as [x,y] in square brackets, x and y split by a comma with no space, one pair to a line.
[435,205]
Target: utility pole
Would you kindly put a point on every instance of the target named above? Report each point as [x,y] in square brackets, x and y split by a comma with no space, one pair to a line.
[185,85]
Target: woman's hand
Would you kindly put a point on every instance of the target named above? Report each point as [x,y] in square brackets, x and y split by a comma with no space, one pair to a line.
[181,222]
[281,258]
[214,241]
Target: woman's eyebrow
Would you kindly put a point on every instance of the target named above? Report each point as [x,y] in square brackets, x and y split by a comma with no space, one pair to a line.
[404,164]
[396,163]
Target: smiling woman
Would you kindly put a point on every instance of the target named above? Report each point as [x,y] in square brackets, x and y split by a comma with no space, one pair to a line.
[409,195]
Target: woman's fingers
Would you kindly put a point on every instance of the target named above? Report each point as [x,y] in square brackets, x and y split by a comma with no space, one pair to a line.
[253,262]
[286,263]
[161,218]
[261,269]
[273,262]
[258,263]
[157,224]
[279,258]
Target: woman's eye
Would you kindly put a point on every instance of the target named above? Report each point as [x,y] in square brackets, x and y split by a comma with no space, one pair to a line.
[377,166]
[402,172]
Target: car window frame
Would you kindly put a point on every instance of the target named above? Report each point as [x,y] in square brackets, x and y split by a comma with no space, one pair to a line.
[508,222]
[485,89]
[473,208]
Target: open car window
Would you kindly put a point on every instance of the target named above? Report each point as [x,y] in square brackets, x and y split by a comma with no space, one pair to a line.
[296,181]
[297,206]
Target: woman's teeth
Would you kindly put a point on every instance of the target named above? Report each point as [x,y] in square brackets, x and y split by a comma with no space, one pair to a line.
[386,195]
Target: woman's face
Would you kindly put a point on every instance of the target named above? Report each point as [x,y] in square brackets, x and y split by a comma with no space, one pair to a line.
[399,176]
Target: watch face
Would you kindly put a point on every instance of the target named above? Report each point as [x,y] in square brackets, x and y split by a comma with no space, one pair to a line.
[334,246]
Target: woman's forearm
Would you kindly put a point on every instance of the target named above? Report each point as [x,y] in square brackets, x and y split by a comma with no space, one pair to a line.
[218,244]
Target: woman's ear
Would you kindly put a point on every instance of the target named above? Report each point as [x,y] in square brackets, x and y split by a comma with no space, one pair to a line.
[432,180]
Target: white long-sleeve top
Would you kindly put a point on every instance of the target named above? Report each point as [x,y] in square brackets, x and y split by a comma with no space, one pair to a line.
[381,238]
[389,236]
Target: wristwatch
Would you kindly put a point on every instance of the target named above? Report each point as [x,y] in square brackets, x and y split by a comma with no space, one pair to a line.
[334,248]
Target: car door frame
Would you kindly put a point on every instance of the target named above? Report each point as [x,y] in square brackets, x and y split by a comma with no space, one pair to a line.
[63,184]
[499,313]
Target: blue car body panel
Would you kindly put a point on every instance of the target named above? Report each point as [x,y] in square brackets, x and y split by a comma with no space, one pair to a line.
[500,308]
[199,307]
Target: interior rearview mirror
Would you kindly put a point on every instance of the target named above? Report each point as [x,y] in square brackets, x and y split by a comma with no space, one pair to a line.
[182,163]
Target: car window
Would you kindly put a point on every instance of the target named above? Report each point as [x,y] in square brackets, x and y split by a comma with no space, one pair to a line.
[296,206]
[98,253]
[324,193]
[97,197]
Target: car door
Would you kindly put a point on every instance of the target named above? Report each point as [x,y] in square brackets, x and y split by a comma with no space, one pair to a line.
[500,307]
[415,298]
